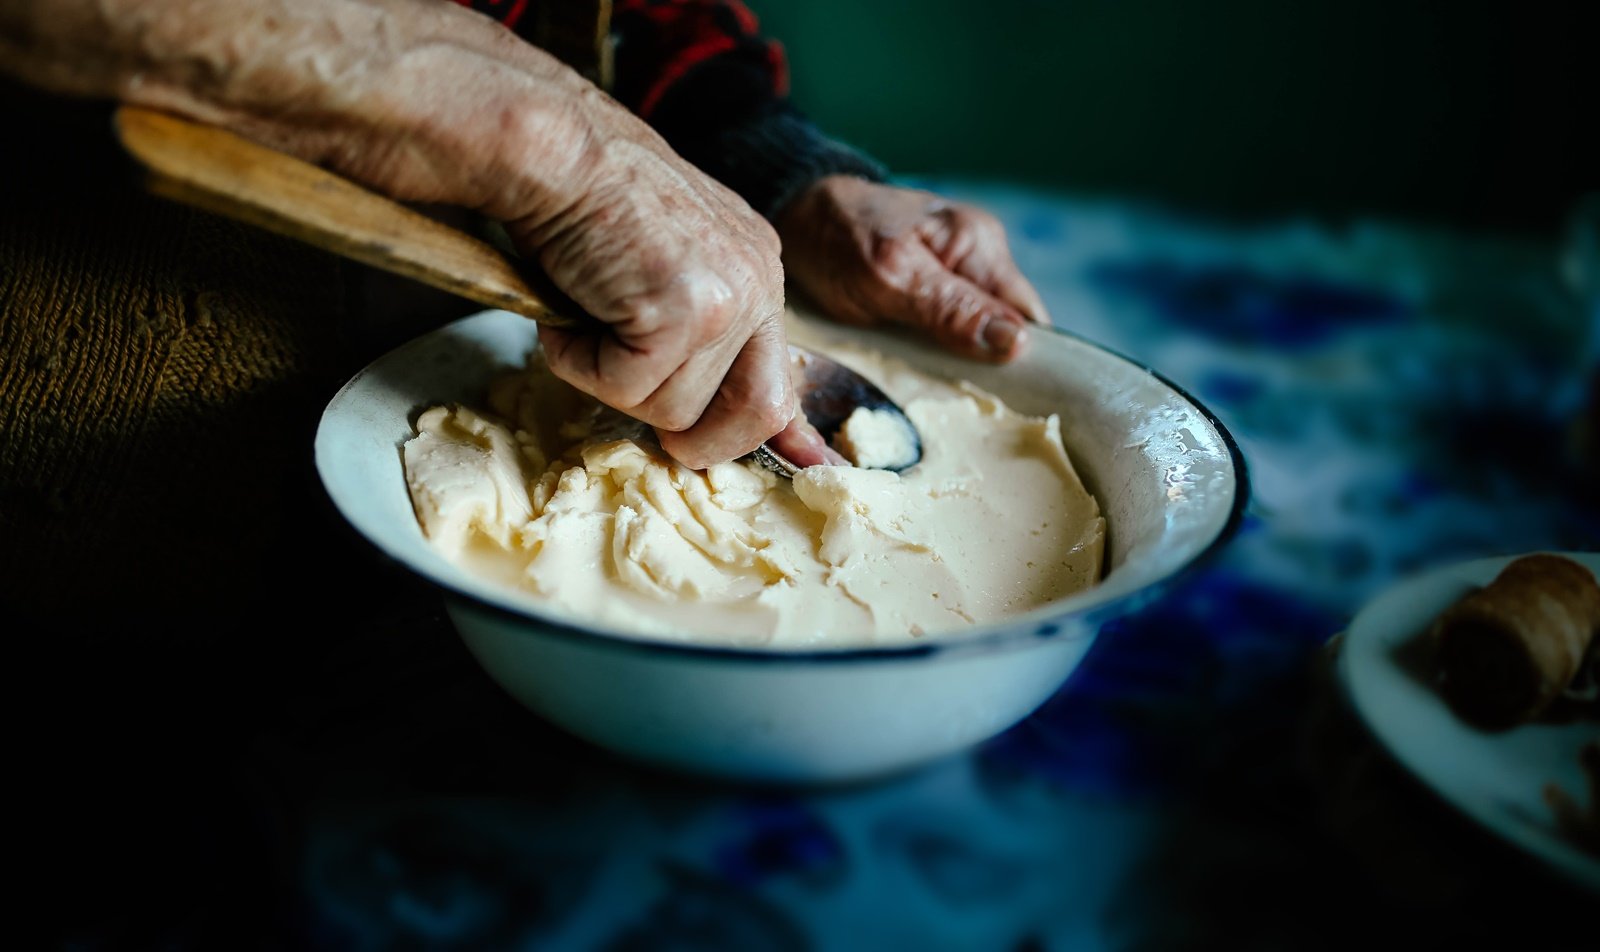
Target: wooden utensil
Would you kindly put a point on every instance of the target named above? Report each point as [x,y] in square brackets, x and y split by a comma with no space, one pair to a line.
[225,173]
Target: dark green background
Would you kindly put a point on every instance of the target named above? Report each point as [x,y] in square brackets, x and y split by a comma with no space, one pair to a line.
[1467,114]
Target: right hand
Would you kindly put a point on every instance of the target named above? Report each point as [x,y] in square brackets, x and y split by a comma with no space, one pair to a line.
[432,103]
[687,277]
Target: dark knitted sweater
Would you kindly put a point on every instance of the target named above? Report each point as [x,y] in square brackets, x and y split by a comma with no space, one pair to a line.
[161,372]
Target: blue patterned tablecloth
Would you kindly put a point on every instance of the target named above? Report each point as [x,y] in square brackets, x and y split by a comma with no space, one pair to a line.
[1403,397]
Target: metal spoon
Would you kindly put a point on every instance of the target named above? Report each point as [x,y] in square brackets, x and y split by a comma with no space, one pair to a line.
[227,174]
[830,393]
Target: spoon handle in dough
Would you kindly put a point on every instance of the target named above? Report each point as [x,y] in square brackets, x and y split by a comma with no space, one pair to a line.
[224,173]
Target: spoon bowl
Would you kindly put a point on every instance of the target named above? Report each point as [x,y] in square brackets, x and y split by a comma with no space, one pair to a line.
[837,401]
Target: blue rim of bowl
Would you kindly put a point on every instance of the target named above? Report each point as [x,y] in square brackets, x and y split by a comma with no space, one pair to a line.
[1048,628]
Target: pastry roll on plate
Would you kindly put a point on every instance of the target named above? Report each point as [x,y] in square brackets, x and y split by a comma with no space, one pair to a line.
[1505,652]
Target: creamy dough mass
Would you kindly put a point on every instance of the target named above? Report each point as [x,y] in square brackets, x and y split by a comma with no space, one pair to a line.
[547,490]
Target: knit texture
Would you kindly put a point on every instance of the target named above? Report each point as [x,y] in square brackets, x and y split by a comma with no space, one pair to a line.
[774,156]
[161,375]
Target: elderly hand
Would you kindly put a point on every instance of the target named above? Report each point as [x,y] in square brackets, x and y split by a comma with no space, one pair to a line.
[868,252]
[686,276]
[432,103]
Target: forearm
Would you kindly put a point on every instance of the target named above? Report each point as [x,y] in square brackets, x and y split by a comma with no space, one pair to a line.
[393,94]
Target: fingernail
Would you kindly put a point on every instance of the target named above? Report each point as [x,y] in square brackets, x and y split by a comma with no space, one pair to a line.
[1000,336]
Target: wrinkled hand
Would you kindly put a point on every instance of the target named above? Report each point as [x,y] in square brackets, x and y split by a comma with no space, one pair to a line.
[433,103]
[688,280]
[868,252]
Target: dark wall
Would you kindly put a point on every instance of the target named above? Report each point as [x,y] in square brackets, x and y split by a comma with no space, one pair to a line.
[1479,115]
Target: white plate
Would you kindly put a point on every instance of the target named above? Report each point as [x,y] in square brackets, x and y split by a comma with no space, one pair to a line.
[1497,779]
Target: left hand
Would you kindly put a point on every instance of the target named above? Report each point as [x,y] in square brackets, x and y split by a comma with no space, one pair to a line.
[868,252]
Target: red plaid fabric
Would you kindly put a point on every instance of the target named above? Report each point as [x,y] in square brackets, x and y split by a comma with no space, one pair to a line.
[662,41]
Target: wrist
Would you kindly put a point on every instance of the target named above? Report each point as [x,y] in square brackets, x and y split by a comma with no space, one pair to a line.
[819,201]
[773,156]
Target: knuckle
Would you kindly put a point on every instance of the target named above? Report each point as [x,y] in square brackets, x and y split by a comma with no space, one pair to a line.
[982,221]
[982,229]
[768,410]
[962,216]
[715,314]
[958,311]
[763,410]
[627,394]
[771,417]
[891,254]
[641,310]
[675,418]
[973,224]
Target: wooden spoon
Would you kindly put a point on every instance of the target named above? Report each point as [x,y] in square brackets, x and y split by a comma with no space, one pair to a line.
[225,173]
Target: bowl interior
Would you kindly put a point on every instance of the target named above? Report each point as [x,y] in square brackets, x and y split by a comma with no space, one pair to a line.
[1168,476]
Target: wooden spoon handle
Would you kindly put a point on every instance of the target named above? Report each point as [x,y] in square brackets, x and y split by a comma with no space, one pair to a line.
[227,174]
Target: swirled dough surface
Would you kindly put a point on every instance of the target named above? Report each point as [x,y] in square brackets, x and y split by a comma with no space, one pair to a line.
[547,490]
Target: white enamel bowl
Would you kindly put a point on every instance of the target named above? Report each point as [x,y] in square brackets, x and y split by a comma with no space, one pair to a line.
[1170,481]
